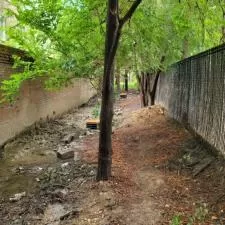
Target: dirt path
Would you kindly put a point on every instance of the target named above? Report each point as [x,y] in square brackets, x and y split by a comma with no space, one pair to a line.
[160,173]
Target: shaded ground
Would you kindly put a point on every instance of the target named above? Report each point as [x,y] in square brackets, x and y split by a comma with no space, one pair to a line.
[160,173]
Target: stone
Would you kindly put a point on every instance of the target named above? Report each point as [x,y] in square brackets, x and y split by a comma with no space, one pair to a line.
[65,153]
[17,197]
[136,139]
[65,165]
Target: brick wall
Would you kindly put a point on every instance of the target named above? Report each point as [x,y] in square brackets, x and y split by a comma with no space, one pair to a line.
[35,103]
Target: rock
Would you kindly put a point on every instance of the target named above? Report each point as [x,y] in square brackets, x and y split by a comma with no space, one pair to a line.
[17,197]
[136,139]
[65,153]
[68,138]
[118,112]
[92,173]
[76,156]
[214,217]
[20,169]
[89,133]
[61,193]
[65,165]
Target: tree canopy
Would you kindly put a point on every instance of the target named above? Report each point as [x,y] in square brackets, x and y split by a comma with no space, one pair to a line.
[66,37]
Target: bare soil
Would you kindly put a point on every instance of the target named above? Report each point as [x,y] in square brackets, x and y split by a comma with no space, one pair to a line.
[160,173]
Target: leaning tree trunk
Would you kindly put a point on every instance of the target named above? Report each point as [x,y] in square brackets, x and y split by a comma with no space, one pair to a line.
[113,30]
[154,88]
[152,92]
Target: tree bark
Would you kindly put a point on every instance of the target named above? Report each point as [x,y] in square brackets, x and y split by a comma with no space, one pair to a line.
[126,81]
[105,142]
[118,79]
[154,88]
[113,31]
[144,86]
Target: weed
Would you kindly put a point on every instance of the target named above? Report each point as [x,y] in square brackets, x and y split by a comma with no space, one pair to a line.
[199,215]
[176,220]
[96,111]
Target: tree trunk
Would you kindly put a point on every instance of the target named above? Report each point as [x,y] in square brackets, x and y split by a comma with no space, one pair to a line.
[113,31]
[144,85]
[105,142]
[154,88]
[118,79]
[126,81]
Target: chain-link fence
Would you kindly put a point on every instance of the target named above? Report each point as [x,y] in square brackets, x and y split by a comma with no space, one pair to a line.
[193,92]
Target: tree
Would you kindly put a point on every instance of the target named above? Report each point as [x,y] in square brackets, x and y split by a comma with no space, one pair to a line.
[66,39]
[113,33]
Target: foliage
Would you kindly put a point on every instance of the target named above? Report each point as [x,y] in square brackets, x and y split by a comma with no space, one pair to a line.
[62,36]
[96,110]
[66,37]
[176,220]
[199,216]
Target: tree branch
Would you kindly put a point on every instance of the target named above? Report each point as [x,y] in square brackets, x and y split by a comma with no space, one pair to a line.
[130,12]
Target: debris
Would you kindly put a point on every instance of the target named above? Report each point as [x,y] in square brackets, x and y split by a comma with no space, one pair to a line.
[93,124]
[70,214]
[17,197]
[123,95]
[60,193]
[68,138]
[202,165]
[20,169]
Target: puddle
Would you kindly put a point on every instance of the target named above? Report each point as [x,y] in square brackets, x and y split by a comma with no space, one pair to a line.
[20,166]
